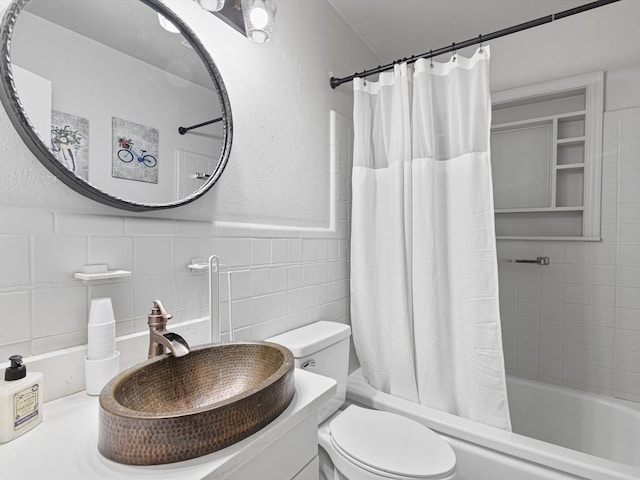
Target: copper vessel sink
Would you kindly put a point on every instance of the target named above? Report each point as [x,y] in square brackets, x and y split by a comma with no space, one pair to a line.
[169,409]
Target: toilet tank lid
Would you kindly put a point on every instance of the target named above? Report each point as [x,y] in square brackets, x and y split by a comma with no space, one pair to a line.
[312,338]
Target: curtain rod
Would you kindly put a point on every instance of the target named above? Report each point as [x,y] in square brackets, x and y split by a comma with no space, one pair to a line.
[334,82]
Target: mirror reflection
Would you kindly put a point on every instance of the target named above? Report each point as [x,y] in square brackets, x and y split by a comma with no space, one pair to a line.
[107,89]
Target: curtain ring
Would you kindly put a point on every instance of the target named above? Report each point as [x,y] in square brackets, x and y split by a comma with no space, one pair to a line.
[480,38]
[453,47]
[431,58]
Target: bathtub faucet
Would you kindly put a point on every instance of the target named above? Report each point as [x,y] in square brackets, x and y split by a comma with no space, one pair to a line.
[160,339]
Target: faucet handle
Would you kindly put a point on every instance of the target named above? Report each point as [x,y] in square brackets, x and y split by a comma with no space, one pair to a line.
[158,311]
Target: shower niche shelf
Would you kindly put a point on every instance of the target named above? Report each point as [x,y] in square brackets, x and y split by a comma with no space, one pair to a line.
[546,149]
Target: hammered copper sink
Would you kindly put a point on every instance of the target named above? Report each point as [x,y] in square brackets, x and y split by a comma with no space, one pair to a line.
[169,409]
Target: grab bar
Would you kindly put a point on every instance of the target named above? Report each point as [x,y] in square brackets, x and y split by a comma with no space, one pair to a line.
[537,261]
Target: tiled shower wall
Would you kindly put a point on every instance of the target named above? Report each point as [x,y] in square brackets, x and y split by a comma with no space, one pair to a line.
[282,277]
[576,322]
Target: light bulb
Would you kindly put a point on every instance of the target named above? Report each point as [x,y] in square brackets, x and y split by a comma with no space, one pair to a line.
[211,5]
[259,16]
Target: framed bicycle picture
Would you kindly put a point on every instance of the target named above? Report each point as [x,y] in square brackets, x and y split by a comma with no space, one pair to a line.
[135,151]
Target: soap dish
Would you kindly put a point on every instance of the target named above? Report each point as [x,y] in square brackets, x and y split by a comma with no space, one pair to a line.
[99,272]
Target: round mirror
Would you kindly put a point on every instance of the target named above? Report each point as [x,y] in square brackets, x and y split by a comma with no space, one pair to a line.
[117,98]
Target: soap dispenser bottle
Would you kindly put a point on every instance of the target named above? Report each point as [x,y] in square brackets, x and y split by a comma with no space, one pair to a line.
[20,400]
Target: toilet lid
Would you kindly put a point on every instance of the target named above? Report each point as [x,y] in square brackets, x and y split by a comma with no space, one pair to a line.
[391,443]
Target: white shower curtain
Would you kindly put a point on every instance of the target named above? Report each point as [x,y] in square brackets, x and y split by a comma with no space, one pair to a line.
[424,279]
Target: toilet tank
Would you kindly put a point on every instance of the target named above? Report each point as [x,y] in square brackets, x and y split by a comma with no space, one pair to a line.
[322,348]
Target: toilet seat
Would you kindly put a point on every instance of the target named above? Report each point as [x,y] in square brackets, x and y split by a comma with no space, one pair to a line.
[390,445]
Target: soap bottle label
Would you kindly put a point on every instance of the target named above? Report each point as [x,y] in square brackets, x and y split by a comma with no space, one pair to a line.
[25,406]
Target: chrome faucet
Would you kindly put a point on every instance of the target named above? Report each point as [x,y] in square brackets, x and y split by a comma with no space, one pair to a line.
[160,339]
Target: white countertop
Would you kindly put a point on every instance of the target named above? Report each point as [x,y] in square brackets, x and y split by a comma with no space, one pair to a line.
[64,446]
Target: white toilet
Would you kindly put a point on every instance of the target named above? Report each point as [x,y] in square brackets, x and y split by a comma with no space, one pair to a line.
[360,443]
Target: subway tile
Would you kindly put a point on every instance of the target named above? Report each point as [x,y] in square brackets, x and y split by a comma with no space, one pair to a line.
[527,271]
[279,305]
[278,279]
[574,293]
[149,226]
[308,297]
[260,251]
[57,258]
[576,253]
[588,334]
[527,345]
[550,329]
[550,367]
[238,252]
[629,213]
[601,275]
[294,276]
[628,297]
[72,224]
[610,192]
[322,273]
[627,340]
[308,250]
[553,291]
[294,301]
[260,331]
[610,172]
[552,311]
[58,342]
[322,249]
[528,308]
[610,127]
[602,296]
[628,319]
[628,276]
[17,221]
[627,361]
[626,382]
[295,250]
[609,214]
[628,192]
[309,275]
[553,273]
[510,362]
[188,292]
[60,310]
[183,249]
[279,251]
[628,150]
[241,313]
[601,378]
[575,273]
[609,236]
[15,260]
[260,309]
[551,348]
[575,372]
[527,363]
[629,255]
[629,234]
[629,170]
[529,289]
[152,255]
[509,305]
[15,321]
[528,326]
[117,252]
[260,281]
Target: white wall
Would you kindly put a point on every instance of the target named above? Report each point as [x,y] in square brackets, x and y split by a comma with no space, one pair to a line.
[291,262]
[577,321]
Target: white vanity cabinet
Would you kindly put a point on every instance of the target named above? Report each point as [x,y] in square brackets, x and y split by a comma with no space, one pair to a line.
[65,445]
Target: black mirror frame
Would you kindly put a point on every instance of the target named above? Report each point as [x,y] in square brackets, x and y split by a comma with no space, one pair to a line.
[15,111]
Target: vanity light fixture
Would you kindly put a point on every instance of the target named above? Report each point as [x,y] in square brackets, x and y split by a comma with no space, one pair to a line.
[258,19]
[211,5]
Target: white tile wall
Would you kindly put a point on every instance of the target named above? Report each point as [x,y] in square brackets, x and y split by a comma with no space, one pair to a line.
[576,322]
[281,277]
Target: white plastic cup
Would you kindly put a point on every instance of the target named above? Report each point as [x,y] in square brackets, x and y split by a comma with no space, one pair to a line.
[101,311]
[99,372]
[101,340]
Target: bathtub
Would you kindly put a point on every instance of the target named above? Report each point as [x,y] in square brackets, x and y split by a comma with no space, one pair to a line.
[559,433]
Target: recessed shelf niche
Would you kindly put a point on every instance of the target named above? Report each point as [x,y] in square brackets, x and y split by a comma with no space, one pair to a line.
[546,147]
